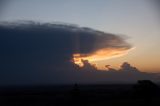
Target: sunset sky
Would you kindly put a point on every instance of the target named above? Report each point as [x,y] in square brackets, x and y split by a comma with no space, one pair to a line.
[136,20]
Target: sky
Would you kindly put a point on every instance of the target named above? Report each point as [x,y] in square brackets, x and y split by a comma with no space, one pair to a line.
[136,20]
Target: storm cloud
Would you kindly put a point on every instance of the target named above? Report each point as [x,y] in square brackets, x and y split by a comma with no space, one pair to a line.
[32,52]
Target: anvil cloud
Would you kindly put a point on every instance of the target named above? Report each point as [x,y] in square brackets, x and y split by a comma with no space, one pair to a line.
[31,49]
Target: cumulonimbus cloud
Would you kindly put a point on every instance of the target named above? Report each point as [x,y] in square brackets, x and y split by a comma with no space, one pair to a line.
[61,40]
[34,46]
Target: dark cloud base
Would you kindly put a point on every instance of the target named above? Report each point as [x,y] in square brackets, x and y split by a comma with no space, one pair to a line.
[35,53]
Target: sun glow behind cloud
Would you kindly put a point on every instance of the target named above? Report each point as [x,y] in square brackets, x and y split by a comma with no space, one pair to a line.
[99,55]
[71,43]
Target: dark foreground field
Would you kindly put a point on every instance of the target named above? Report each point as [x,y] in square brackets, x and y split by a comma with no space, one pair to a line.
[81,95]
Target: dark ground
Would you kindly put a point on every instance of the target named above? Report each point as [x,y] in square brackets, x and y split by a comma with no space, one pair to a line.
[81,95]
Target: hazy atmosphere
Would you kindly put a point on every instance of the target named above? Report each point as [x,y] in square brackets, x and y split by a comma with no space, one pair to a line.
[48,41]
[79,52]
[137,21]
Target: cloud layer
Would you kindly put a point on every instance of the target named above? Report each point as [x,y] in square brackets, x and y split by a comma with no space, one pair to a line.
[34,51]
